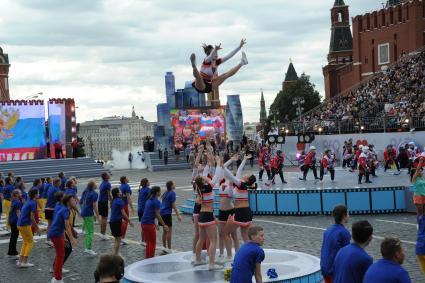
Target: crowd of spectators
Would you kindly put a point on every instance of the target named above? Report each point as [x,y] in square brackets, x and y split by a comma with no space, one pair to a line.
[398,92]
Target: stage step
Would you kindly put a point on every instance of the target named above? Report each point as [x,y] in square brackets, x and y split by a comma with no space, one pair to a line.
[32,169]
[156,164]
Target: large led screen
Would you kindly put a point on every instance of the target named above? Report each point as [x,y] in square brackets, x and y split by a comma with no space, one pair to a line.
[191,126]
[22,131]
[57,129]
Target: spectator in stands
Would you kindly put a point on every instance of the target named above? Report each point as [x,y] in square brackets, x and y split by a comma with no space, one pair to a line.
[352,262]
[334,238]
[389,268]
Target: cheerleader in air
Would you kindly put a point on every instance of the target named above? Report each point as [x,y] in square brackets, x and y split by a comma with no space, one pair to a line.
[207,78]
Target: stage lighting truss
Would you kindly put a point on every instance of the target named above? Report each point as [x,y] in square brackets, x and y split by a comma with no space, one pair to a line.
[306,138]
[272,139]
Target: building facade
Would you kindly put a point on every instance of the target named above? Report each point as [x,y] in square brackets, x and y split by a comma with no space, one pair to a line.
[100,137]
[4,76]
[250,130]
[170,89]
[379,39]
[234,119]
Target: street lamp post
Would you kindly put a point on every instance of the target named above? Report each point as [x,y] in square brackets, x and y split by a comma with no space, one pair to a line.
[34,96]
[298,101]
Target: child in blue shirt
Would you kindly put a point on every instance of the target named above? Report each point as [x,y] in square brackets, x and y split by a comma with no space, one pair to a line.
[334,238]
[388,269]
[248,258]
[352,262]
[15,211]
[89,212]
[117,215]
[168,204]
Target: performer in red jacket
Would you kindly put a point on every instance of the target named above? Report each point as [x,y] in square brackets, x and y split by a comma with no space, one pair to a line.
[277,166]
[390,157]
[264,162]
[327,164]
[364,165]
[309,163]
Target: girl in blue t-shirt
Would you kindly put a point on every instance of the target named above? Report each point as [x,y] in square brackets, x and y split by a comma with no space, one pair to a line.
[61,233]
[1,196]
[151,212]
[168,204]
[117,215]
[89,213]
[7,196]
[15,211]
[26,218]
[141,200]
[126,196]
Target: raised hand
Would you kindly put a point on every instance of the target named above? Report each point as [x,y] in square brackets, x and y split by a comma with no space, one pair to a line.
[218,47]
[243,42]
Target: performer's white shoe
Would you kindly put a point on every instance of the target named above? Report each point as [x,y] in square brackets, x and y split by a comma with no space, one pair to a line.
[244,60]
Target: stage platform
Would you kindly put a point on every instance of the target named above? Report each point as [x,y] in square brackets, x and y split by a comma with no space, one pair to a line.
[290,266]
[388,193]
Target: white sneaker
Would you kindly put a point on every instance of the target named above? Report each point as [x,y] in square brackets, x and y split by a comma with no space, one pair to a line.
[220,259]
[25,265]
[90,252]
[228,259]
[49,243]
[244,60]
[124,242]
[104,237]
[193,258]
[202,262]
[56,281]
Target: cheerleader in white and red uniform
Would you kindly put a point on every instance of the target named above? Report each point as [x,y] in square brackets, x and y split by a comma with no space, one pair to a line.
[277,165]
[327,164]
[416,161]
[364,165]
[207,78]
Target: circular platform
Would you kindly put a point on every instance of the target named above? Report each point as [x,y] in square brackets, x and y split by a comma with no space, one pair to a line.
[290,266]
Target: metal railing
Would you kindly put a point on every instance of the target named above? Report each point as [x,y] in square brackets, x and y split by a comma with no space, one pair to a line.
[380,124]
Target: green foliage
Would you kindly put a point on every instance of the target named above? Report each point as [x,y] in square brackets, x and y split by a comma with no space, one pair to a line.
[283,101]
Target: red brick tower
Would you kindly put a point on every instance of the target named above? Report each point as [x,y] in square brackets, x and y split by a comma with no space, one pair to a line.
[4,76]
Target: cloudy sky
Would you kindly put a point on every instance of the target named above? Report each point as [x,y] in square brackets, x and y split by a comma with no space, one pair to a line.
[111,54]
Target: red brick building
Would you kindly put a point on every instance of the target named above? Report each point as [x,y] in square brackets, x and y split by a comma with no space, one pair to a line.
[4,76]
[378,39]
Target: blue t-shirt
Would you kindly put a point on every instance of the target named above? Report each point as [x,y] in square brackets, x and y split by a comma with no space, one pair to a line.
[104,190]
[25,217]
[71,192]
[88,198]
[386,271]
[351,263]
[420,242]
[51,201]
[58,224]
[142,198]
[45,190]
[15,206]
[117,206]
[149,214]
[245,261]
[167,202]
[334,238]
[40,190]
[24,195]
[63,183]
[7,192]
[125,189]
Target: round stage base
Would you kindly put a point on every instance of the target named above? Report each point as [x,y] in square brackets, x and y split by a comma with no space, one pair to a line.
[176,268]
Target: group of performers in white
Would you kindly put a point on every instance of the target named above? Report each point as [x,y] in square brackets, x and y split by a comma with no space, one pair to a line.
[363,158]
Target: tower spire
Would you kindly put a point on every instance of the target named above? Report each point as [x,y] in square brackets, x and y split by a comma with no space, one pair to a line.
[263,113]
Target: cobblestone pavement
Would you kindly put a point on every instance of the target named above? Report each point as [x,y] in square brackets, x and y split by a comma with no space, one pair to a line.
[302,234]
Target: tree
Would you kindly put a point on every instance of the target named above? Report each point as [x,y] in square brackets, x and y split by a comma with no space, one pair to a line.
[283,101]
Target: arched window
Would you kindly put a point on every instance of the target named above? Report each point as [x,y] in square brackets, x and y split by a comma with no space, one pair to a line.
[340,16]
[391,16]
[383,20]
[375,20]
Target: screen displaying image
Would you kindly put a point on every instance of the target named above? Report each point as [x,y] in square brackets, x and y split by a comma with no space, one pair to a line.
[22,132]
[191,126]
[57,129]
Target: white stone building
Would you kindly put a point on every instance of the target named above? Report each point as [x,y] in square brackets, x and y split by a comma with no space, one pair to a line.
[121,133]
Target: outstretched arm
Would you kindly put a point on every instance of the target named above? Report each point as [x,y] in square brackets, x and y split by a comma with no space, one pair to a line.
[213,54]
[231,178]
[240,169]
[233,53]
